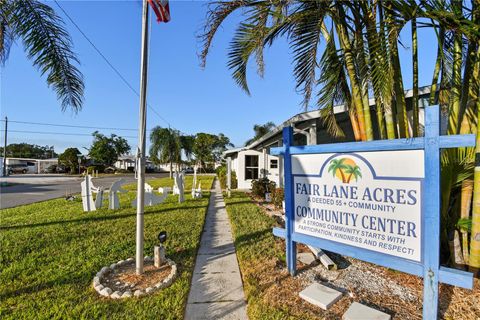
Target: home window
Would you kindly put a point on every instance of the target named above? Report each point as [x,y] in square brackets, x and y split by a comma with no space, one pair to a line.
[274,164]
[251,167]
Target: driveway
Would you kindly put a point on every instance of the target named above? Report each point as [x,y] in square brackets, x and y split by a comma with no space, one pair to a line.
[30,188]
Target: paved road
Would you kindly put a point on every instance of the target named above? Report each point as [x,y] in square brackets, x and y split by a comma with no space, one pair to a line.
[33,188]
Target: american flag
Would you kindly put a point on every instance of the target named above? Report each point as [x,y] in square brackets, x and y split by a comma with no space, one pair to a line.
[161,9]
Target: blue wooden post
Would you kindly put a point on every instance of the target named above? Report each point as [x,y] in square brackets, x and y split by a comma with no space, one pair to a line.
[431,220]
[289,203]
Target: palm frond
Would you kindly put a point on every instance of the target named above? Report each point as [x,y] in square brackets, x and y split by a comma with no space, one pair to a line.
[334,88]
[6,40]
[217,13]
[328,119]
[304,41]
[50,47]
[249,39]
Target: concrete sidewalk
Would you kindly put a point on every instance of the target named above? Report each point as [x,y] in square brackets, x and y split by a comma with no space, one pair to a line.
[217,290]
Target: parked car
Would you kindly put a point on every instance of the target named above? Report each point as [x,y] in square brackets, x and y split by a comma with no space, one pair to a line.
[17,168]
[50,169]
[61,169]
[189,170]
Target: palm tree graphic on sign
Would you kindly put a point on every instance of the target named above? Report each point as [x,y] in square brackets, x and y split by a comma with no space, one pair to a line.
[345,169]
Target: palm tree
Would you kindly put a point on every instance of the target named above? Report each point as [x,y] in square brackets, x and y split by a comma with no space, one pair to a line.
[261,130]
[186,144]
[361,57]
[165,146]
[474,260]
[338,165]
[353,171]
[46,43]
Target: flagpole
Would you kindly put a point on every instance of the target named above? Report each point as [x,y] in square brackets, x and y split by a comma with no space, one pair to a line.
[141,141]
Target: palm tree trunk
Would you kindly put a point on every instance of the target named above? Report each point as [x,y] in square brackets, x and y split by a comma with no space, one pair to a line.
[465,206]
[348,98]
[387,101]
[456,259]
[436,71]
[171,169]
[416,124]
[354,121]
[351,71]
[453,119]
[362,76]
[469,120]
[474,258]
[467,74]
[375,61]
[389,122]
[399,92]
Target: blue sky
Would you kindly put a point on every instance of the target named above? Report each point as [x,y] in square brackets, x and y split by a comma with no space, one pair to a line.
[190,98]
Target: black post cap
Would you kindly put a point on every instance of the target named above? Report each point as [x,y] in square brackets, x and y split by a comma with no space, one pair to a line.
[162,236]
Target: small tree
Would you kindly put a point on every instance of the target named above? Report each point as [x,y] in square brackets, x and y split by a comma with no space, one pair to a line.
[203,147]
[209,147]
[69,158]
[106,150]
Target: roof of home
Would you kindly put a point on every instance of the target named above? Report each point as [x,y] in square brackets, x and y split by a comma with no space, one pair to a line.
[234,150]
[315,114]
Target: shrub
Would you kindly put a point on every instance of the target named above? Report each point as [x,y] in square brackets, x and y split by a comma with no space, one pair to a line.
[222,177]
[262,186]
[278,196]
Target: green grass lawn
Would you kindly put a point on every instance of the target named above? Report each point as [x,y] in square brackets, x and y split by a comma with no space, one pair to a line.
[257,252]
[50,252]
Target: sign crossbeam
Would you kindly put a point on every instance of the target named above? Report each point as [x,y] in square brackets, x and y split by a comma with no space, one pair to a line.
[424,230]
[452,141]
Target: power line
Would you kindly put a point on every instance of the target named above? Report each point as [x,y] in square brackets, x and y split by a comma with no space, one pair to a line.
[68,125]
[72,126]
[108,62]
[60,133]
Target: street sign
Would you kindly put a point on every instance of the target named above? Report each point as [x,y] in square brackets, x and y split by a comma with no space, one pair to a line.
[377,201]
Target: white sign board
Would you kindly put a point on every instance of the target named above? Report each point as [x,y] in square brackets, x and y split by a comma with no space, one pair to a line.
[363,199]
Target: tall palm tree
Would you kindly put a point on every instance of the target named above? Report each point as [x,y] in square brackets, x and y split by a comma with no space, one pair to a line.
[186,144]
[46,43]
[261,130]
[474,260]
[165,146]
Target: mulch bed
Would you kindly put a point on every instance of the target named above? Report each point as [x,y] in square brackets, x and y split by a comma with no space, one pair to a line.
[390,291]
[125,277]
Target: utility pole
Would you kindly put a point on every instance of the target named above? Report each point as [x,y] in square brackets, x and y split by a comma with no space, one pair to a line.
[5,150]
[141,141]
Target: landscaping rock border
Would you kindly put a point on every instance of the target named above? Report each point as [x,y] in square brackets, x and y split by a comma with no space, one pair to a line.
[108,292]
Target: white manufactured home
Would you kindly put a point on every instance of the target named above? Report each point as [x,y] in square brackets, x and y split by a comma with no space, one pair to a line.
[254,162]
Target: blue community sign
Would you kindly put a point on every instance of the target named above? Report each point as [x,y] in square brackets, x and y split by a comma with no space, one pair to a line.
[377,201]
